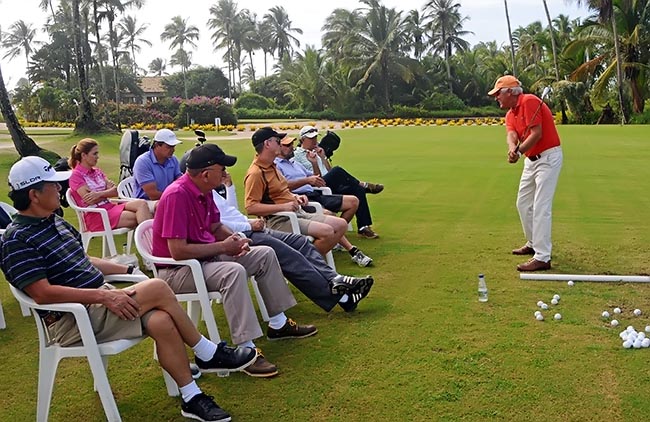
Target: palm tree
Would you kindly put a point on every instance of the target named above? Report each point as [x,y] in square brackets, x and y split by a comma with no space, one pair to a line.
[605,10]
[446,29]
[378,47]
[512,44]
[179,32]
[223,21]
[340,27]
[415,31]
[265,41]
[19,40]
[305,80]
[44,5]
[281,29]
[250,39]
[158,66]
[132,35]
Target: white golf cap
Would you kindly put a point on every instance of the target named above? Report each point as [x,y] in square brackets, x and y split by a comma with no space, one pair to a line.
[32,170]
[166,136]
[309,132]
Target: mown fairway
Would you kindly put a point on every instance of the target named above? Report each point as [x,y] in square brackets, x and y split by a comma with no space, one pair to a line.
[421,347]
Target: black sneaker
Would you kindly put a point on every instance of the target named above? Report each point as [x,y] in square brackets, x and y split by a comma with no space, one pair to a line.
[344,284]
[227,359]
[291,330]
[203,408]
[354,299]
[196,372]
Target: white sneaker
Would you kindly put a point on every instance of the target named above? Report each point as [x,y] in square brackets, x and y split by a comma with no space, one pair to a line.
[338,248]
[361,259]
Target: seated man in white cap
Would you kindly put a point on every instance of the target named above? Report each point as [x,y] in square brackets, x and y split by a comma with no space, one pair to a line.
[42,255]
[155,170]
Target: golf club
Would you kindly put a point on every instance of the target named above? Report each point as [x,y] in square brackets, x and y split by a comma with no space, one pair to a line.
[545,93]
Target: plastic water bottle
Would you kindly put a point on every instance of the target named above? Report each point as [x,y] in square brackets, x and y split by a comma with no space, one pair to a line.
[482,289]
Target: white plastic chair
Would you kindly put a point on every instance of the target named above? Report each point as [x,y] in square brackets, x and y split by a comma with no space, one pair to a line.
[23,309]
[97,354]
[107,235]
[327,191]
[143,243]
[126,188]
[295,228]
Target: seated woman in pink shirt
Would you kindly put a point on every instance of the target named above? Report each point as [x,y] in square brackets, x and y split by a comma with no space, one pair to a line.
[90,188]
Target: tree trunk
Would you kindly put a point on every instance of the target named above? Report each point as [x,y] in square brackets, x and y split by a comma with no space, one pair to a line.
[23,143]
[619,70]
[100,59]
[512,44]
[116,80]
[565,119]
[86,121]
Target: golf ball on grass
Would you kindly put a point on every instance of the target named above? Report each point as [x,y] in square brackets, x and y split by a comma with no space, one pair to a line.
[557,317]
[544,306]
[627,344]
[540,303]
[637,312]
[554,302]
[556,297]
[614,323]
[617,310]
[539,317]
[605,314]
[645,343]
[570,283]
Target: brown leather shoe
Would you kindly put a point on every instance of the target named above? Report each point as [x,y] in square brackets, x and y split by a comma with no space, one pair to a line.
[261,368]
[534,265]
[524,250]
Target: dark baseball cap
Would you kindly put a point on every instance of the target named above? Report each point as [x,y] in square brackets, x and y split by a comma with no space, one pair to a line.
[264,133]
[208,154]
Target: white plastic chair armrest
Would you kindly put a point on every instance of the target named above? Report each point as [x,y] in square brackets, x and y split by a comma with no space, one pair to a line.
[293,219]
[127,278]
[324,190]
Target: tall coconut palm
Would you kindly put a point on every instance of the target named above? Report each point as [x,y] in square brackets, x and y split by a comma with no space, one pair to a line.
[250,39]
[158,66]
[305,80]
[445,25]
[378,47]
[512,44]
[605,10]
[19,40]
[179,32]
[265,42]
[281,31]
[224,18]
[46,5]
[132,33]
[415,30]
[340,27]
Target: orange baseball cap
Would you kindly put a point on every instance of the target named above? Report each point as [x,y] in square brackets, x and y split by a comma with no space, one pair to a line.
[507,81]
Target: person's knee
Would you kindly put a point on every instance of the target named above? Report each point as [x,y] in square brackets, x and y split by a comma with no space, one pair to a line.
[159,322]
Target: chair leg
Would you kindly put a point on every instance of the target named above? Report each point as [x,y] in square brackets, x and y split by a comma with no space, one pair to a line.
[260,300]
[47,365]
[172,387]
[24,309]
[3,324]
[330,260]
[103,387]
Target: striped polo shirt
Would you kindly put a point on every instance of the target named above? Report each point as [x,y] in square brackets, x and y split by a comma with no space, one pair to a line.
[46,248]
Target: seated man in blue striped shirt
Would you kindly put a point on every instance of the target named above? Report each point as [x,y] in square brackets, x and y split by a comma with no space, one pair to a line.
[42,255]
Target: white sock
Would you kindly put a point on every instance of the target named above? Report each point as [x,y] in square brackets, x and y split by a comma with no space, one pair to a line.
[277,321]
[248,343]
[204,349]
[189,391]
[344,298]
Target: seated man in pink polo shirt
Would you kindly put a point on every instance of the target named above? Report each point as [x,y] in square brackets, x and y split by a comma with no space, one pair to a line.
[187,226]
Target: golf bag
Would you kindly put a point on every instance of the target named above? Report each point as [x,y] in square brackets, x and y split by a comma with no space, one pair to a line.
[131,147]
[62,165]
[330,143]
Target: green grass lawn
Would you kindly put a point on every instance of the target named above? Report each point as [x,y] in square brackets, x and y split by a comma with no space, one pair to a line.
[421,346]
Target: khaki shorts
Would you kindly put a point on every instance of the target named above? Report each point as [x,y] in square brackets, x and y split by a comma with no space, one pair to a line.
[282,223]
[106,325]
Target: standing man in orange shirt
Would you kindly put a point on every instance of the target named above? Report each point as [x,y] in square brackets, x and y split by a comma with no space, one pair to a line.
[531,131]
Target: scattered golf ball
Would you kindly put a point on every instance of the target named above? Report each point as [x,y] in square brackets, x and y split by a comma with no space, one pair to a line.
[614,323]
[540,303]
[556,297]
[570,283]
[537,313]
[617,310]
[637,312]
[539,317]
[640,335]
[605,314]
[627,344]
[637,343]
[557,317]
[645,343]
[544,306]
[630,329]
[554,302]
[647,328]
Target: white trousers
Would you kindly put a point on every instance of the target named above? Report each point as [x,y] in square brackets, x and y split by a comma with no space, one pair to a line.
[535,200]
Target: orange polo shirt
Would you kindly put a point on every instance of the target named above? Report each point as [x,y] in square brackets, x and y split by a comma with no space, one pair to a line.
[525,114]
[261,178]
